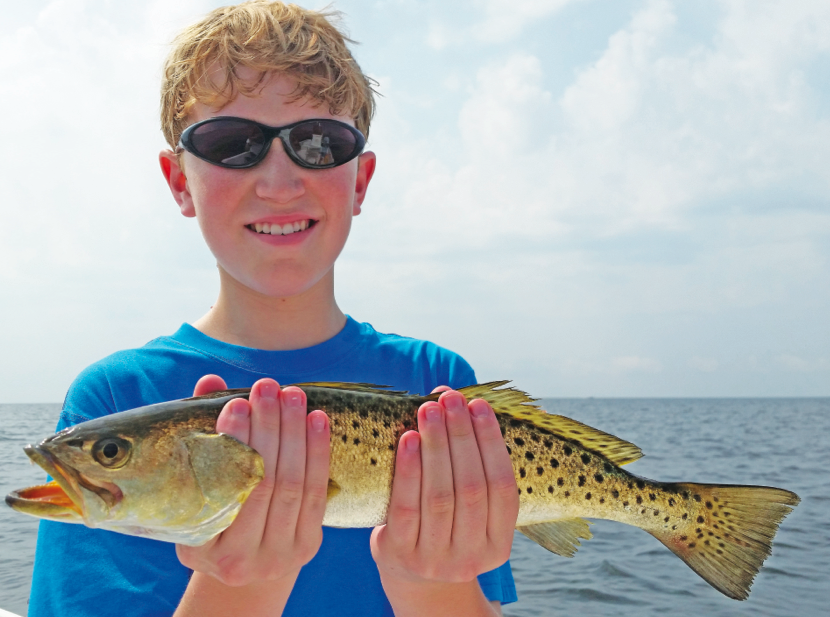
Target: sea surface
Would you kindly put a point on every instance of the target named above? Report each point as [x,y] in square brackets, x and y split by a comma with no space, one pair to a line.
[623,571]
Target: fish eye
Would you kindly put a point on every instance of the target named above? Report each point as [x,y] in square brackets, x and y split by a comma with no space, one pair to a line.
[112,452]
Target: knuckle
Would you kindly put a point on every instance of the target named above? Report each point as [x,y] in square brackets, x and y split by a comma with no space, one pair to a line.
[473,493]
[441,502]
[290,489]
[405,513]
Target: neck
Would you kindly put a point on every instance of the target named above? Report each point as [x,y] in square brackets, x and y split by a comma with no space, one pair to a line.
[244,317]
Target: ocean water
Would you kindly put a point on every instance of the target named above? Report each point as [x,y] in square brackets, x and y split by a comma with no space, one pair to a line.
[623,571]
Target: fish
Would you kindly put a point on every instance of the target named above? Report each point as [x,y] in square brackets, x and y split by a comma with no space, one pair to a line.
[162,472]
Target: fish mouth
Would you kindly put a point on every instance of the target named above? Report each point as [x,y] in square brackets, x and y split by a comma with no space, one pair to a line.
[62,498]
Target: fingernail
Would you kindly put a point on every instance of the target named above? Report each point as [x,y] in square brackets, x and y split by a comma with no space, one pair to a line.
[268,390]
[292,399]
[453,402]
[433,413]
[239,408]
[413,444]
[479,409]
[318,422]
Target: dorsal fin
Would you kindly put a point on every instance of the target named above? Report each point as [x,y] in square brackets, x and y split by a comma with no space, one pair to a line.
[517,404]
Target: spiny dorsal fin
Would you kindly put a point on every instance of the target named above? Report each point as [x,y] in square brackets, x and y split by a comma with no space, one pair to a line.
[560,537]
[367,388]
[517,404]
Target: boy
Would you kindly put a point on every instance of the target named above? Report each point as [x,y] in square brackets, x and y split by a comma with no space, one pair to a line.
[266,112]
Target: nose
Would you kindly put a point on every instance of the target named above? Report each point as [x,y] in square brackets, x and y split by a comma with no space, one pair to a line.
[279,179]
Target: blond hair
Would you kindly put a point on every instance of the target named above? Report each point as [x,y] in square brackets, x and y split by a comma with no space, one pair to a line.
[267,37]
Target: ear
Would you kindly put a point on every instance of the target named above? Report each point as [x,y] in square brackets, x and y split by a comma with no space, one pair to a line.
[177,181]
[365,171]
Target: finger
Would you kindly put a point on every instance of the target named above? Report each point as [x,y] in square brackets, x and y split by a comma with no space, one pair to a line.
[503,500]
[403,521]
[249,527]
[290,479]
[235,420]
[208,384]
[469,482]
[318,447]
[437,492]
[441,389]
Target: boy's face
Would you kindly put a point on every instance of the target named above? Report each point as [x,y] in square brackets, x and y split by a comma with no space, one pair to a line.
[230,203]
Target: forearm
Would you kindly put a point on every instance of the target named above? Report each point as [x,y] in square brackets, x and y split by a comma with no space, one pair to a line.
[207,597]
[415,599]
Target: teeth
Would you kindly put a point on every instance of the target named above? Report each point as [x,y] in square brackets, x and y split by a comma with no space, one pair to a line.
[281,230]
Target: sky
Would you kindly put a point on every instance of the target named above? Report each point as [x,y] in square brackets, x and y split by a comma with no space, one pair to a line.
[609,198]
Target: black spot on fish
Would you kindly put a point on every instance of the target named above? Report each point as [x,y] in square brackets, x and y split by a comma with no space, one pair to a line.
[725,513]
[697,498]
[625,504]
[602,499]
[715,499]
[375,433]
[691,545]
[567,450]
[581,481]
[700,519]
[685,516]
[641,484]
[391,446]
[374,461]
[587,495]
[548,444]
[529,489]
[666,520]
[685,494]
[709,504]
[615,494]
[711,533]
[608,467]
[715,526]
[585,459]
[509,451]
[540,471]
[657,513]
[683,538]
[567,493]
[706,542]
[720,544]
[514,422]
[387,424]
[698,530]
[554,463]
[671,502]
[598,477]
[560,482]
[355,424]
[519,441]
[720,552]
[639,500]
[577,432]
[522,472]
[534,437]
[364,413]
[520,491]
[345,438]
[502,429]
[529,455]
[643,511]
[673,527]
[550,488]
[652,496]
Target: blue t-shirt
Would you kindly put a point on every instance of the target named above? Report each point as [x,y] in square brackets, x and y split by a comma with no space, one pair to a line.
[92,572]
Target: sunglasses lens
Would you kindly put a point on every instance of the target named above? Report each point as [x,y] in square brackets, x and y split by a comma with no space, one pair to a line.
[234,143]
[320,143]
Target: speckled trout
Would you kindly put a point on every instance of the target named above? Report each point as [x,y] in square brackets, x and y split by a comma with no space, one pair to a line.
[162,472]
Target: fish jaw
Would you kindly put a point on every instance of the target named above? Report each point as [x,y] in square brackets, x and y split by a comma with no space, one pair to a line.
[48,501]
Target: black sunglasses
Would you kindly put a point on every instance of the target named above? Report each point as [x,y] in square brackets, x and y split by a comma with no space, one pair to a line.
[238,143]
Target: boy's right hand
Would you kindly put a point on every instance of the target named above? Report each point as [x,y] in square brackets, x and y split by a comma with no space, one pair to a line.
[279,528]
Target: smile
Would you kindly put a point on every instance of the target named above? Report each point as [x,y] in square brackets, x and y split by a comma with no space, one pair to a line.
[281,230]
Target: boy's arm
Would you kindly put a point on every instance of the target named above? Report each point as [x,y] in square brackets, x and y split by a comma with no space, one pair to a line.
[251,567]
[452,514]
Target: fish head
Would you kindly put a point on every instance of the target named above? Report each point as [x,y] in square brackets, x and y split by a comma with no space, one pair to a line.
[167,479]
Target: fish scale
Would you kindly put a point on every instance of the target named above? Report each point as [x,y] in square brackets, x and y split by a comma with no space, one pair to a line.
[136,471]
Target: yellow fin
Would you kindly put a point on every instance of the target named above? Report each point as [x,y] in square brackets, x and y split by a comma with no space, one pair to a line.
[727,543]
[332,489]
[560,537]
[517,404]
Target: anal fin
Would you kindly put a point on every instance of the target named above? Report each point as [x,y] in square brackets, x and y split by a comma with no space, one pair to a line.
[560,537]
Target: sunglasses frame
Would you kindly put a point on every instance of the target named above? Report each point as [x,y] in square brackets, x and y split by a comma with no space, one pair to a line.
[270,133]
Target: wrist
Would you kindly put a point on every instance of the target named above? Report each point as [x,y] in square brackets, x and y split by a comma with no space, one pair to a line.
[411,596]
[206,596]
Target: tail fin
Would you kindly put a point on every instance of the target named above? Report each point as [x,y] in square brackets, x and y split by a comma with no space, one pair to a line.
[729,532]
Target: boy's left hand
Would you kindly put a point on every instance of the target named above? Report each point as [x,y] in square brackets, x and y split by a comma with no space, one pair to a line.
[454,499]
